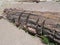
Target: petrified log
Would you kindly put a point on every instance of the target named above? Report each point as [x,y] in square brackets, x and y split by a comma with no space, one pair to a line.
[15,14]
[37,24]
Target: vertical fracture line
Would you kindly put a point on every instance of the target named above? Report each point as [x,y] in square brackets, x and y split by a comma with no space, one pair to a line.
[27,19]
[42,26]
[18,23]
[20,17]
[54,32]
[37,26]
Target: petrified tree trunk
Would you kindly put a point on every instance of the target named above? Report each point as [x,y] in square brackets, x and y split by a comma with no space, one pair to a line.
[37,24]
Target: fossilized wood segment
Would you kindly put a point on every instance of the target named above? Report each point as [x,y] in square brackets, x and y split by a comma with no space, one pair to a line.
[36,24]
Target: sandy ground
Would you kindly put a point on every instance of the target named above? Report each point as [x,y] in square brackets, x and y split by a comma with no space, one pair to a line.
[11,35]
[42,6]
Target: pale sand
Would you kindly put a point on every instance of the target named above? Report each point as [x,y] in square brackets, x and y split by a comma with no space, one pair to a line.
[42,6]
[11,35]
